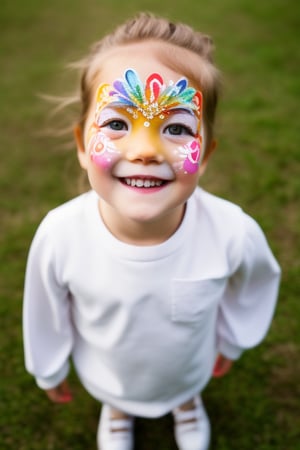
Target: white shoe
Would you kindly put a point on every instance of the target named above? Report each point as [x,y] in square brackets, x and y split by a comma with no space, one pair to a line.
[192,427]
[114,434]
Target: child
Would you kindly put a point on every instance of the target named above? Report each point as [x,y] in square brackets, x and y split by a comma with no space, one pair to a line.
[150,283]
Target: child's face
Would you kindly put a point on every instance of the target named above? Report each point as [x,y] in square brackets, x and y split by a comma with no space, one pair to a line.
[143,150]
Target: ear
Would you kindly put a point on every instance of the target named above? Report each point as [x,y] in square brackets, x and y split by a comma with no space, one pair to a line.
[81,153]
[208,152]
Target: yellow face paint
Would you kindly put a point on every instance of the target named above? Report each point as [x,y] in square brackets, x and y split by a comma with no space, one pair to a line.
[151,104]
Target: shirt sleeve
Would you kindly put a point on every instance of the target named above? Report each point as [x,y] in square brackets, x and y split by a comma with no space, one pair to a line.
[249,302]
[47,326]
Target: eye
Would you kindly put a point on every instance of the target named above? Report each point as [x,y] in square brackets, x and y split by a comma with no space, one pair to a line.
[115,125]
[177,129]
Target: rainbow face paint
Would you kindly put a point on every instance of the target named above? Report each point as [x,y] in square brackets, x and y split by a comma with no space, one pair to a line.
[145,104]
[152,99]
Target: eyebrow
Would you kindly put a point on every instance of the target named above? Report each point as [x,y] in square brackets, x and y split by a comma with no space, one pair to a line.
[179,109]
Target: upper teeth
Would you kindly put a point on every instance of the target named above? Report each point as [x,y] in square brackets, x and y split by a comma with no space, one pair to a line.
[139,182]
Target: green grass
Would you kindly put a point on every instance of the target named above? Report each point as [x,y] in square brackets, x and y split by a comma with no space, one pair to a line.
[256,165]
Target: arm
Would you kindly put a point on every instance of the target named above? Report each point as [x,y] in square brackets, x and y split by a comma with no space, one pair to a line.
[60,394]
[222,366]
[248,305]
[47,327]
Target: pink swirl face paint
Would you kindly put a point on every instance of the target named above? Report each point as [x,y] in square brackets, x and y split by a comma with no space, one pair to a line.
[191,155]
[102,150]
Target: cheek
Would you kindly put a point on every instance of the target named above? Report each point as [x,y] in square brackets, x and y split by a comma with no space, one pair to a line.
[188,157]
[102,151]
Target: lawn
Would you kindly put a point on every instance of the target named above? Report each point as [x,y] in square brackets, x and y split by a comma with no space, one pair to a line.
[256,166]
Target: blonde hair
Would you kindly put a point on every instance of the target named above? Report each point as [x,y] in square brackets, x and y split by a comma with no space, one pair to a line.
[197,64]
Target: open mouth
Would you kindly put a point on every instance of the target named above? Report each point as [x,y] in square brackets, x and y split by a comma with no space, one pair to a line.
[147,183]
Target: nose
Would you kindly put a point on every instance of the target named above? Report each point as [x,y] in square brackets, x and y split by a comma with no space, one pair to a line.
[145,148]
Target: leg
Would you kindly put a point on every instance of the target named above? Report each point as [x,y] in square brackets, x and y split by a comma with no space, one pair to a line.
[115,431]
[192,428]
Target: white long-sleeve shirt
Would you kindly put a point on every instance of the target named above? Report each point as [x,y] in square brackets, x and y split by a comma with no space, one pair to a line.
[144,324]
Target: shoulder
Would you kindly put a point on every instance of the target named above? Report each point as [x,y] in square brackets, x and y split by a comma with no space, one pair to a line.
[227,217]
[65,235]
[69,211]
[216,209]
[227,226]
[72,208]
[66,220]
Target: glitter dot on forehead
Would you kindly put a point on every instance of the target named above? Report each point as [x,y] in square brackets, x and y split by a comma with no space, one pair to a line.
[153,99]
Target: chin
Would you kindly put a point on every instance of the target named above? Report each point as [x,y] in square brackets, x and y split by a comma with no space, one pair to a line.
[143,218]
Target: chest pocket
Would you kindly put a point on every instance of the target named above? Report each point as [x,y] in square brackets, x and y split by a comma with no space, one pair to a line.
[193,300]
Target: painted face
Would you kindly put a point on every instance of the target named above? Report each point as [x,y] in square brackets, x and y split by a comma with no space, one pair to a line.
[170,115]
